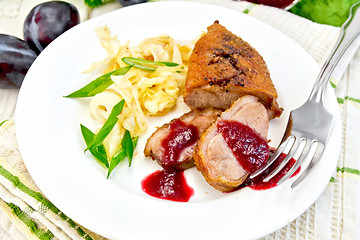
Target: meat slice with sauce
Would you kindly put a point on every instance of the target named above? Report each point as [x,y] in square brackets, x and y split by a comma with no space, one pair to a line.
[223,67]
[234,145]
[172,145]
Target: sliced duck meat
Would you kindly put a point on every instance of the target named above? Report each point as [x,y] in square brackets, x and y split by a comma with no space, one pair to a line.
[223,67]
[234,145]
[172,145]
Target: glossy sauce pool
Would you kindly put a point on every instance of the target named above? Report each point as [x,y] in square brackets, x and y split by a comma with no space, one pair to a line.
[169,185]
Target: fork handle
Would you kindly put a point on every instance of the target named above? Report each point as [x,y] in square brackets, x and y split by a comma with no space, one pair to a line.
[348,33]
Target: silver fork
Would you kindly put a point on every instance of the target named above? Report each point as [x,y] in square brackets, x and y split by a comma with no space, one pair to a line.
[309,126]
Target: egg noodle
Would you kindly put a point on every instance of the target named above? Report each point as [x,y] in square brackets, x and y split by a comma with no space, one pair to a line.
[146,93]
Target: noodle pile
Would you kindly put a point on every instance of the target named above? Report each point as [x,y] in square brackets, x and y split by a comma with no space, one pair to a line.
[146,93]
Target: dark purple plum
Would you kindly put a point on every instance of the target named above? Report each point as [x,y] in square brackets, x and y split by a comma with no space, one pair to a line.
[126,3]
[47,21]
[16,58]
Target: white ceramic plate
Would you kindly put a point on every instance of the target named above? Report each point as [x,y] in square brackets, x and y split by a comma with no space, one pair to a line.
[50,141]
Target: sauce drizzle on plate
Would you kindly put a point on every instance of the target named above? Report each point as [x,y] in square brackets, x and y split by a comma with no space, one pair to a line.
[169,185]
[258,184]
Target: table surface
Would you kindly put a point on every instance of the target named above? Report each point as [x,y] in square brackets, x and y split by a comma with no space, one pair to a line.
[12,15]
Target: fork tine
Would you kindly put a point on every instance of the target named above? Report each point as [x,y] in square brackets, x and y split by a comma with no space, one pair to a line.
[284,145]
[295,150]
[317,155]
[304,154]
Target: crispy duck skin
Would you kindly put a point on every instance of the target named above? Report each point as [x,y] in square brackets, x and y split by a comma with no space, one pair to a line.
[199,118]
[212,155]
[223,68]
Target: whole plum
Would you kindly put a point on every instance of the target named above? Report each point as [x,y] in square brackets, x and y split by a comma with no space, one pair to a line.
[126,3]
[47,21]
[16,58]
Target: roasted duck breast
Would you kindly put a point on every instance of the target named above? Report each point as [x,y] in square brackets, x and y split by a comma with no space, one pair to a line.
[172,145]
[223,68]
[234,145]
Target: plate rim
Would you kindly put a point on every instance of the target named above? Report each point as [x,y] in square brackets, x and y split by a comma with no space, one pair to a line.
[18,128]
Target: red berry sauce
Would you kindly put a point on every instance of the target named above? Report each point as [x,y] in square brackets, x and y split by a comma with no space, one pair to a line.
[258,184]
[248,147]
[169,185]
[180,137]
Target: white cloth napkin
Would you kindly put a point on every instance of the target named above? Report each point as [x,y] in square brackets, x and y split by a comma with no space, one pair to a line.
[335,215]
